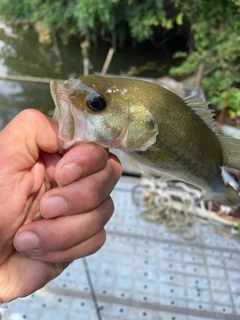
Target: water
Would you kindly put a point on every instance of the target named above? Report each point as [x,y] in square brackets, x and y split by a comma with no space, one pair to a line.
[22,54]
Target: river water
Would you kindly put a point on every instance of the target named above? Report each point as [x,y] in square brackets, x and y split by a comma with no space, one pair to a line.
[22,54]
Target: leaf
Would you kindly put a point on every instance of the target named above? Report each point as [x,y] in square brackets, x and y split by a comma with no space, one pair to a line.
[180,54]
[179,19]
[238,229]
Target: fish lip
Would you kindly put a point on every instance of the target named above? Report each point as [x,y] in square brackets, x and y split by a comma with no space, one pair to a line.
[72,133]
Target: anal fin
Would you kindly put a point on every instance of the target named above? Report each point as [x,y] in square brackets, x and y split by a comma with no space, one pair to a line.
[165,178]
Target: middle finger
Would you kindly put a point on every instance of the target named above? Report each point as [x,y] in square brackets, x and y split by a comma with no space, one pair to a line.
[83,195]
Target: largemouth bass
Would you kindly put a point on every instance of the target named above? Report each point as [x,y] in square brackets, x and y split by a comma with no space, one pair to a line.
[153,126]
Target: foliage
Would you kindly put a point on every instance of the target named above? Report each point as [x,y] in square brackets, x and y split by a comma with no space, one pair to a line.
[54,14]
[213,27]
[238,229]
[114,18]
[215,32]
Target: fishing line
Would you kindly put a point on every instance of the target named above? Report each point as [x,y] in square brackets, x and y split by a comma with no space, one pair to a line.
[92,288]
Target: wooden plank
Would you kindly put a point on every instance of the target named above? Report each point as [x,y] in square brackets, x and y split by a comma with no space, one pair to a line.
[27,78]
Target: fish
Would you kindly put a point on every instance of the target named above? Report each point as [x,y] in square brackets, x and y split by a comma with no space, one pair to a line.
[154,127]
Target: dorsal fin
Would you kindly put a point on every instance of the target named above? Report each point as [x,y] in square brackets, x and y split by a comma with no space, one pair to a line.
[200,107]
[231,151]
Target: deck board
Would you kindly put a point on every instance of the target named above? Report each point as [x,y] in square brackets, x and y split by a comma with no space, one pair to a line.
[143,272]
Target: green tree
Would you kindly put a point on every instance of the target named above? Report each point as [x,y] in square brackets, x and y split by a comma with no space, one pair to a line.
[90,18]
[215,33]
[213,27]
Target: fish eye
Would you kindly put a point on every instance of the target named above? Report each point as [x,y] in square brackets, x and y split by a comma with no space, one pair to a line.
[95,102]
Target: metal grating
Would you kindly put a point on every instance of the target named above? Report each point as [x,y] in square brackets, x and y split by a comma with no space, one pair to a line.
[143,272]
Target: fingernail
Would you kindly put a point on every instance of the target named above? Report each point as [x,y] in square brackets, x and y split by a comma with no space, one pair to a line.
[69,173]
[26,241]
[54,207]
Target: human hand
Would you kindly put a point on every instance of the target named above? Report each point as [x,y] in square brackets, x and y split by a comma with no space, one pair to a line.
[40,233]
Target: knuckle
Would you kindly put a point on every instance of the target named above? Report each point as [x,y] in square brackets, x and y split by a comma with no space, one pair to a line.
[99,240]
[110,205]
[94,193]
[30,115]
[107,209]
[66,240]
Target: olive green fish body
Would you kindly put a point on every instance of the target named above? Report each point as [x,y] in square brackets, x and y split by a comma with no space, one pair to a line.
[153,126]
[185,148]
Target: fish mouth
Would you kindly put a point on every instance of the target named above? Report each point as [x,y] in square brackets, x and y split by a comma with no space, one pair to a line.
[72,122]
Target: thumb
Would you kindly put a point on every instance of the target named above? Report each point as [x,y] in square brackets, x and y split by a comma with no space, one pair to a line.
[25,136]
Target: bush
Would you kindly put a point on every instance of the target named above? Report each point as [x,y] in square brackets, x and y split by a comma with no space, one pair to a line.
[215,31]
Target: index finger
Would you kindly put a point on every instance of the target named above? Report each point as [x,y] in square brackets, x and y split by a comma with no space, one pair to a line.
[24,137]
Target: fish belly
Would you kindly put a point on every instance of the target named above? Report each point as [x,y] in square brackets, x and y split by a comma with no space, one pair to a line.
[207,177]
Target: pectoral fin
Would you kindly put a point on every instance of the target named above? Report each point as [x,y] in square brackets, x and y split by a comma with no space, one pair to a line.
[135,164]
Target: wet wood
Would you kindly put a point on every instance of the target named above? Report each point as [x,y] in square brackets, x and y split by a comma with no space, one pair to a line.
[199,75]
[27,78]
[107,61]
